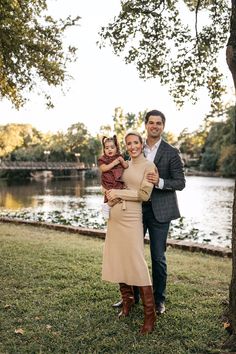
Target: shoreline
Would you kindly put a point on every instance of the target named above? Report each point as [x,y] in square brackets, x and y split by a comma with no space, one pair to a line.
[188,172]
[183,245]
[191,172]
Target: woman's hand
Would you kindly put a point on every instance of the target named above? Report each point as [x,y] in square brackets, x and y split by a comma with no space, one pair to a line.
[153,177]
[111,194]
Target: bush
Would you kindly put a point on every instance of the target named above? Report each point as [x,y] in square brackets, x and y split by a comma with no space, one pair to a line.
[227,161]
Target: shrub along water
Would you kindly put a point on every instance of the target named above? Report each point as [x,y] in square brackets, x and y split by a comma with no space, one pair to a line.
[53,299]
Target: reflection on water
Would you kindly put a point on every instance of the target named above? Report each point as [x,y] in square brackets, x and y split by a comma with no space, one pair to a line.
[33,194]
[65,201]
[205,204]
[208,196]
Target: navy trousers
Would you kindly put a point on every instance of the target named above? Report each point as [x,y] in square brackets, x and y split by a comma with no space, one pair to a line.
[158,236]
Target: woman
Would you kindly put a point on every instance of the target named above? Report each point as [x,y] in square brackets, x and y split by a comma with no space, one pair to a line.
[123,257]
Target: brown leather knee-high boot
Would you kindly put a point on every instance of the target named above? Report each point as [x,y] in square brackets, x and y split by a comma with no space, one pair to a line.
[127,294]
[146,293]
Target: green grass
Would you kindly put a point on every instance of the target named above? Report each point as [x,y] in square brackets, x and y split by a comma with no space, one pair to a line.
[51,288]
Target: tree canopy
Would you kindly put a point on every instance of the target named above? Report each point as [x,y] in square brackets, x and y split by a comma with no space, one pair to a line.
[14,136]
[220,148]
[162,42]
[31,49]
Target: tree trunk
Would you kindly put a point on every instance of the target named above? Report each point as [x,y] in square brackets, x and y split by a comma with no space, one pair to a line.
[231,61]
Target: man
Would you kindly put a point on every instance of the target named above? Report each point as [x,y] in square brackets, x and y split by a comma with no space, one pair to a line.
[162,206]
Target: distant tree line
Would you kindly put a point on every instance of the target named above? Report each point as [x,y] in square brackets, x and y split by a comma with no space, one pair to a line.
[22,142]
[210,148]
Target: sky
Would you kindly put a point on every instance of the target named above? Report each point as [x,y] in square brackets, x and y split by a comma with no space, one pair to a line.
[102,81]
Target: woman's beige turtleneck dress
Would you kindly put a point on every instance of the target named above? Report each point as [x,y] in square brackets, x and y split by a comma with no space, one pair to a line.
[123,255]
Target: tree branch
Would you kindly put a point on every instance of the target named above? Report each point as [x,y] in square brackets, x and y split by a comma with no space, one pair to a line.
[196,26]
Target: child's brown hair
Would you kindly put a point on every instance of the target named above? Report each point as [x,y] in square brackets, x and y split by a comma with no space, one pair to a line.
[105,139]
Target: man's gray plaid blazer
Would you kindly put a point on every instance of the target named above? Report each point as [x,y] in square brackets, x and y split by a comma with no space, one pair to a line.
[170,168]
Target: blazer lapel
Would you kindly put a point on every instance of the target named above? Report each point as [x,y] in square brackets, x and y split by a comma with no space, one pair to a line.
[159,153]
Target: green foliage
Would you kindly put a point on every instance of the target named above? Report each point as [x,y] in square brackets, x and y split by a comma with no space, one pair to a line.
[105,130]
[51,289]
[220,147]
[170,138]
[227,160]
[13,136]
[209,160]
[30,153]
[22,142]
[31,49]
[156,37]
[192,143]
[79,140]
[56,145]
[76,137]
[123,122]
[92,150]
[212,146]
[126,122]
[193,4]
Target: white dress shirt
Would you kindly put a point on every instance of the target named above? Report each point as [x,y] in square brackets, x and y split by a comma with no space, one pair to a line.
[150,153]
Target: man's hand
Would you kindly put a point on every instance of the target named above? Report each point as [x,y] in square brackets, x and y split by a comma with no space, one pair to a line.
[153,177]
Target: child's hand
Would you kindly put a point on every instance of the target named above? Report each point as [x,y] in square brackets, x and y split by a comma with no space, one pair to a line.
[121,160]
[116,161]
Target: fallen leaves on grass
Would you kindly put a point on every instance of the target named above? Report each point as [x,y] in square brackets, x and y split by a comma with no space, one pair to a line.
[228,327]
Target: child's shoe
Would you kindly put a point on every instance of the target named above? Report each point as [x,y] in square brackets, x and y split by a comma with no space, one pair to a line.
[106,211]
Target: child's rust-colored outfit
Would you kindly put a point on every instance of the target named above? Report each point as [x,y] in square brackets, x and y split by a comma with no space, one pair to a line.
[111,179]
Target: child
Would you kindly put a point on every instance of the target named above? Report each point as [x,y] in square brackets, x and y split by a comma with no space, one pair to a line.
[111,165]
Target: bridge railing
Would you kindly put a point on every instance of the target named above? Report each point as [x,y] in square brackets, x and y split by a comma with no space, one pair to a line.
[41,165]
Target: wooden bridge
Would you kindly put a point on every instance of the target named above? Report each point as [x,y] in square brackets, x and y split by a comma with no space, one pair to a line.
[41,166]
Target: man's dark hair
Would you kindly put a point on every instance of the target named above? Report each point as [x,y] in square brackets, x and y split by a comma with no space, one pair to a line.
[154,112]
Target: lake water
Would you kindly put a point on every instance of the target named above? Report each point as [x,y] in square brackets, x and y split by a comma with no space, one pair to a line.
[205,204]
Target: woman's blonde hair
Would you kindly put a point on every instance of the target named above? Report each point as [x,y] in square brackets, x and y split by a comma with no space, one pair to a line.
[132,132]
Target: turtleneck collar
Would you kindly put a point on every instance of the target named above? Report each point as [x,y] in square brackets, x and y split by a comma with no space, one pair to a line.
[138,159]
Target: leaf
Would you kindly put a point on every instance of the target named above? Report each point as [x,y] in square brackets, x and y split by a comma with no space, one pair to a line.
[19,331]
[226,325]
[7,306]
[56,334]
